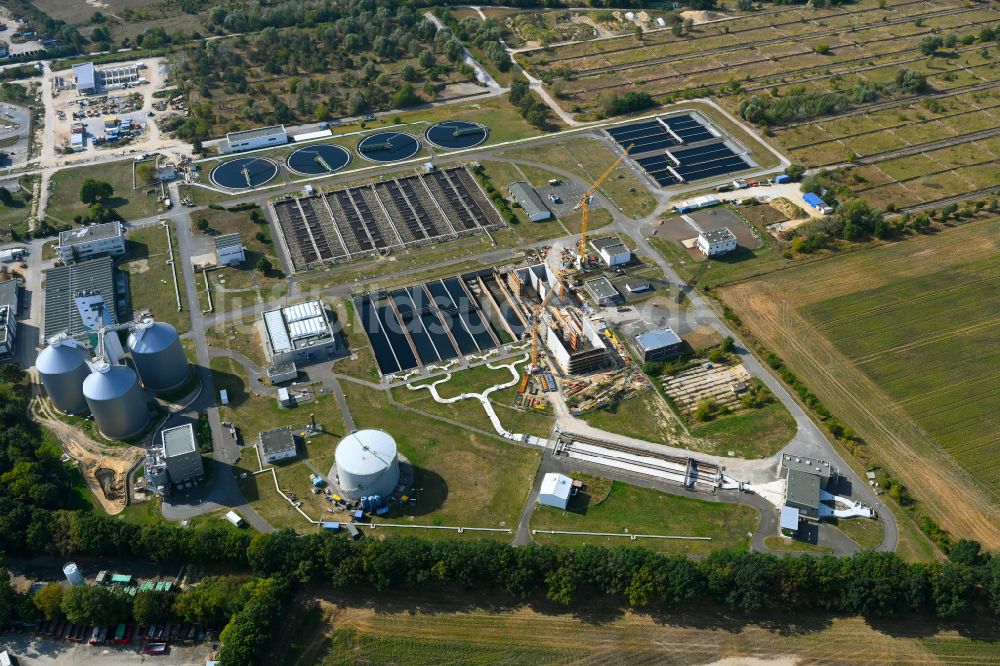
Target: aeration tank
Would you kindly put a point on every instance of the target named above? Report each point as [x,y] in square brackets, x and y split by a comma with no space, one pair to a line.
[62,367]
[158,355]
[116,400]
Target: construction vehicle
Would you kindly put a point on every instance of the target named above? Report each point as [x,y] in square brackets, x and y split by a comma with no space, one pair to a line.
[585,206]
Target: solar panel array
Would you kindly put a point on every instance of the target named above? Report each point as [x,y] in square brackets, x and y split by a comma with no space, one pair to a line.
[355,222]
[677,149]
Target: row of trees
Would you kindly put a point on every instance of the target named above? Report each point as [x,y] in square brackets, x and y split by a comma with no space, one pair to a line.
[869,584]
[804,104]
[530,107]
[211,603]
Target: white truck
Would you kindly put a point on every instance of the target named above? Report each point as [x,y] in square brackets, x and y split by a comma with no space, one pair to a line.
[235,519]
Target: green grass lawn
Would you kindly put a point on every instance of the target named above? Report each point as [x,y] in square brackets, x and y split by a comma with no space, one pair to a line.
[642,416]
[750,433]
[642,511]
[738,265]
[14,218]
[460,477]
[866,533]
[151,278]
[64,197]
[476,380]
[241,336]
[253,413]
[587,159]
[361,362]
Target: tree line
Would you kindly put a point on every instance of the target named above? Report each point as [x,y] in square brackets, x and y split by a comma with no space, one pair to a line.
[802,104]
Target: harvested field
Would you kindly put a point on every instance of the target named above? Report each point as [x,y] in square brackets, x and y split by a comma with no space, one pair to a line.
[421,628]
[895,340]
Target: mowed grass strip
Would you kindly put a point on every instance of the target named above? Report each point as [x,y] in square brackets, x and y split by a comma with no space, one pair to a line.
[461,478]
[64,192]
[151,278]
[929,341]
[631,509]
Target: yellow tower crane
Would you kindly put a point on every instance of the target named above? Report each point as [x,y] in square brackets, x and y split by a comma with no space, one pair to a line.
[585,205]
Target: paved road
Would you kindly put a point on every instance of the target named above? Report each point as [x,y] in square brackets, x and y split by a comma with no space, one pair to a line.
[223,490]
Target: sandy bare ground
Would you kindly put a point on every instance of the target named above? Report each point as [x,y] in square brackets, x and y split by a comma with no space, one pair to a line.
[769,306]
[92,456]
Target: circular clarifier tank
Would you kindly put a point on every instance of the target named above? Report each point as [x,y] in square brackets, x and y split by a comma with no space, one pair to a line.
[388,147]
[244,173]
[456,134]
[318,160]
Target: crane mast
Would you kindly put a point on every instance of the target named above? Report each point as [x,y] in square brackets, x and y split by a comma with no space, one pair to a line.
[585,206]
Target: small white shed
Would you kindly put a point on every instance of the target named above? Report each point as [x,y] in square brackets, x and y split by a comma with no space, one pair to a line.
[555,490]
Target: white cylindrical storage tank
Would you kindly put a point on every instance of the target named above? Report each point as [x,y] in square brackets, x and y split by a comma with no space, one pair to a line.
[73,574]
[158,355]
[62,367]
[116,401]
[367,464]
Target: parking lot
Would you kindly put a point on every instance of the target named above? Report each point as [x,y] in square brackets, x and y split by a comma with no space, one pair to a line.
[14,125]
[31,650]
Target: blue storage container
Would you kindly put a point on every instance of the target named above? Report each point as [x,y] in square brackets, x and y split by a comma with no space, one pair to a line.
[782,179]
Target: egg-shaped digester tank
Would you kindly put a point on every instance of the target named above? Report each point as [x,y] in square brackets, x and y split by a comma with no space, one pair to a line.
[158,355]
[62,367]
[116,400]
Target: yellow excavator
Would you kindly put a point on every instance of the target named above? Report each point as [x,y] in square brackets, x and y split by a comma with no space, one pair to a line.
[585,206]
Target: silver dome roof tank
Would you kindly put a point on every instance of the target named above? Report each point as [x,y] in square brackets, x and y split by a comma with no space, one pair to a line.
[158,355]
[62,367]
[116,400]
[367,464]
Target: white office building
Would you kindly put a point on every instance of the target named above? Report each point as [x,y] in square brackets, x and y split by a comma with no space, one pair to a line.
[261,137]
[613,251]
[229,249]
[91,241]
[716,242]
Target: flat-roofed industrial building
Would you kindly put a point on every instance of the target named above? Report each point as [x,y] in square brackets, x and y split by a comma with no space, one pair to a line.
[91,80]
[716,241]
[659,345]
[8,332]
[91,241]
[94,279]
[805,478]
[613,251]
[261,137]
[278,444]
[602,291]
[299,333]
[175,461]
[229,249]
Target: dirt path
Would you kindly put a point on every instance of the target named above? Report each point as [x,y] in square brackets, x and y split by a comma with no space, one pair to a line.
[770,307]
[92,456]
